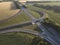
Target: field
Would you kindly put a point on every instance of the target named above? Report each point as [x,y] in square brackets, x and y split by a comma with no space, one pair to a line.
[7,9]
[16,38]
[16,20]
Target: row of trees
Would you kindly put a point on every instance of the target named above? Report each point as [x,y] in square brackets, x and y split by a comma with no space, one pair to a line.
[48,7]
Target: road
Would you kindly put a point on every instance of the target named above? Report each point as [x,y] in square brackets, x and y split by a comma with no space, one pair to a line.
[22,24]
[53,38]
[48,35]
[19,30]
[50,29]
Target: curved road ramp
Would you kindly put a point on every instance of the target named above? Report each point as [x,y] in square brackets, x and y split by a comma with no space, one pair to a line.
[46,34]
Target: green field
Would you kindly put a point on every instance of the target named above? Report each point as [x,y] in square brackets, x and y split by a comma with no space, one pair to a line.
[16,39]
[16,20]
[20,39]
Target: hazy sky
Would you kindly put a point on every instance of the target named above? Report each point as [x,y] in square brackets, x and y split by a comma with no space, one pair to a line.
[44,0]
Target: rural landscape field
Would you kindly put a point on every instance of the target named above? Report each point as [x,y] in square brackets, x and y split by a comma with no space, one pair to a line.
[7,10]
[24,22]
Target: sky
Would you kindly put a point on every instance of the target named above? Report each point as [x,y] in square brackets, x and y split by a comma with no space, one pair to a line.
[44,0]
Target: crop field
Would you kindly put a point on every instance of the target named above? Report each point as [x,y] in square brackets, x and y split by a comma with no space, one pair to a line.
[7,10]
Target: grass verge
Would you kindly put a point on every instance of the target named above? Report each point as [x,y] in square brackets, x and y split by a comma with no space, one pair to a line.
[35,14]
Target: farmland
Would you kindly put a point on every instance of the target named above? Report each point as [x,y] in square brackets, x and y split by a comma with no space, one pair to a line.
[7,10]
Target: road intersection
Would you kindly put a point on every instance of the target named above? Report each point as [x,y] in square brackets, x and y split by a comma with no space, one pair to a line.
[50,35]
[47,34]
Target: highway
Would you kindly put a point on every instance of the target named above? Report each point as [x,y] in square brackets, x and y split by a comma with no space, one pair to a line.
[50,29]
[48,34]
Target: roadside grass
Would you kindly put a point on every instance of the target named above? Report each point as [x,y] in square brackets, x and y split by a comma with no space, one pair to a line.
[16,38]
[16,20]
[30,27]
[7,10]
[35,14]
